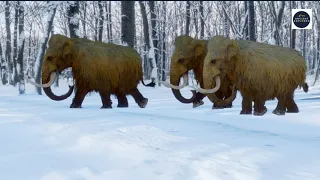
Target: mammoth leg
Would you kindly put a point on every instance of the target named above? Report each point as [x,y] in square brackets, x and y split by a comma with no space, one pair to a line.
[138,97]
[259,107]
[79,97]
[246,105]
[198,102]
[122,100]
[228,94]
[291,105]
[106,101]
[281,108]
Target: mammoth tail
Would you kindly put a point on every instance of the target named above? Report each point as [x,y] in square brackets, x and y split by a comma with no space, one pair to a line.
[152,84]
[305,87]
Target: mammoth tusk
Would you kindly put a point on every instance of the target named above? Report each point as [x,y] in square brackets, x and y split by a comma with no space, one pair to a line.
[52,78]
[168,85]
[209,91]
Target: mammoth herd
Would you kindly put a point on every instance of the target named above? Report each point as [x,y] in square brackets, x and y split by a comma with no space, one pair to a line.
[221,66]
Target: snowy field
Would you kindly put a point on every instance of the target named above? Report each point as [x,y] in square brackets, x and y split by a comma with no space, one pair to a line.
[46,140]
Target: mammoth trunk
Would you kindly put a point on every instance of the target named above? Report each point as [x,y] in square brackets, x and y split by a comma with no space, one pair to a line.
[218,97]
[48,91]
[175,80]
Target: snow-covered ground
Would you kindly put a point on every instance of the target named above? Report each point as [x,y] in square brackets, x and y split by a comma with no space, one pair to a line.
[46,140]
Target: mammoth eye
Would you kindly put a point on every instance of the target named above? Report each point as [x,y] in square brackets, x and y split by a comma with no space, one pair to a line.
[49,58]
[213,61]
[181,60]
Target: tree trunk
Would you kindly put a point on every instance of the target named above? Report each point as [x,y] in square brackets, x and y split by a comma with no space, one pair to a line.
[246,32]
[101,19]
[154,51]
[84,24]
[15,43]
[164,43]
[73,20]
[128,23]
[262,20]
[201,20]
[8,43]
[21,48]
[146,38]
[2,67]
[188,18]
[110,22]
[48,27]
[251,18]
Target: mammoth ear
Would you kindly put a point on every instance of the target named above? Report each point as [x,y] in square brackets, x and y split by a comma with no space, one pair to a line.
[232,49]
[199,48]
[67,47]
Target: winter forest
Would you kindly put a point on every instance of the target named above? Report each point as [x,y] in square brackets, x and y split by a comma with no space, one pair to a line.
[148,26]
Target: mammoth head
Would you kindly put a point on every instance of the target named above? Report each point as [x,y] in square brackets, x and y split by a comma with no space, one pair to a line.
[58,55]
[186,52]
[57,58]
[185,57]
[221,56]
[220,61]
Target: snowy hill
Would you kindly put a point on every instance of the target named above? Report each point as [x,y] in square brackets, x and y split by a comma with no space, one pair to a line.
[46,140]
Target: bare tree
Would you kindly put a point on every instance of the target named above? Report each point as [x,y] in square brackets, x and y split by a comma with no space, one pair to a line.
[52,7]
[251,18]
[277,17]
[83,18]
[201,20]
[188,18]
[127,23]
[8,42]
[2,67]
[101,19]
[164,5]
[73,19]
[109,21]
[15,43]
[146,38]
[20,58]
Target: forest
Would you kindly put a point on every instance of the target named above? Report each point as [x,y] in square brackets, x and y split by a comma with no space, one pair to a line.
[148,26]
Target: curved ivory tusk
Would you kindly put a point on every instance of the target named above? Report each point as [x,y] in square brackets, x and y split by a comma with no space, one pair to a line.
[52,78]
[168,85]
[209,91]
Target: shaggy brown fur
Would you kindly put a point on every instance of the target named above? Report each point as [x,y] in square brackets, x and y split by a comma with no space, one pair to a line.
[96,66]
[260,72]
[188,55]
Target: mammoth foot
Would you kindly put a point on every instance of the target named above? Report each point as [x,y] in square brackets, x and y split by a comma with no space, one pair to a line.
[197,104]
[75,106]
[260,112]
[293,111]
[143,103]
[106,107]
[279,112]
[217,107]
[228,106]
[244,112]
[125,105]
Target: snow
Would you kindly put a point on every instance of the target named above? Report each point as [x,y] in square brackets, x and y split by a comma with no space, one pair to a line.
[46,140]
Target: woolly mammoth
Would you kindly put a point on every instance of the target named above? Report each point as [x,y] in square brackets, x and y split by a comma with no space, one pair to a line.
[189,55]
[259,71]
[96,66]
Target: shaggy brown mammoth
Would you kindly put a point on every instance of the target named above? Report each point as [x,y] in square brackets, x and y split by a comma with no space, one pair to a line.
[189,55]
[96,66]
[259,71]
